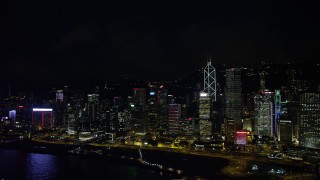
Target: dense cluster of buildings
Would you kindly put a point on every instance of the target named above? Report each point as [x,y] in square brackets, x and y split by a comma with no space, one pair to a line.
[222,103]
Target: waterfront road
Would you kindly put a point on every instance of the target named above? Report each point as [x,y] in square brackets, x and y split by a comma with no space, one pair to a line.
[239,162]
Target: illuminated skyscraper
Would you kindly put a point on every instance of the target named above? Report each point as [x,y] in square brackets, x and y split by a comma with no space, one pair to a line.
[309,120]
[264,124]
[205,123]
[233,103]
[174,116]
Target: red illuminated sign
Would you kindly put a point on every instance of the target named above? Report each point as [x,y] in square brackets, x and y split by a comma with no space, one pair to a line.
[241,137]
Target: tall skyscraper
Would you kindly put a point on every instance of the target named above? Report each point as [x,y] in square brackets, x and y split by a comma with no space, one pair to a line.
[309,120]
[233,103]
[207,97]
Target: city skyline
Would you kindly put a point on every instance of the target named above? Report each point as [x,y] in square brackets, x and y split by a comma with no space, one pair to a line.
[263,112]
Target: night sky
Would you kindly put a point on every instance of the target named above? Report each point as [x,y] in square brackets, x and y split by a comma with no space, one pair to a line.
[63,41]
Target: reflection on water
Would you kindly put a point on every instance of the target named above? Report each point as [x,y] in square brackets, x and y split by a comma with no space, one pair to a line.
[40,166]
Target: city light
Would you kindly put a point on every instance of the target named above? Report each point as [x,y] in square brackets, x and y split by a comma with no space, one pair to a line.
[203,94]
[42,109]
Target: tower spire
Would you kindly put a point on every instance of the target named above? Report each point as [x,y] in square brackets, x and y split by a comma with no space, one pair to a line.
[210,80]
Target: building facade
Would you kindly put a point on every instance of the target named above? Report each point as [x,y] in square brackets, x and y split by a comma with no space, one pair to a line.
[309,120]
[174,116]
[263,113]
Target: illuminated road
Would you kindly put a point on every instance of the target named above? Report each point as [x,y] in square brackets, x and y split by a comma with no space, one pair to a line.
[236,157]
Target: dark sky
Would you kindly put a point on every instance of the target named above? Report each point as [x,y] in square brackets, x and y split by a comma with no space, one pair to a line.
[67,40]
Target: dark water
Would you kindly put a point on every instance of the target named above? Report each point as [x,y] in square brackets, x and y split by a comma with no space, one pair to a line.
[16,164]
